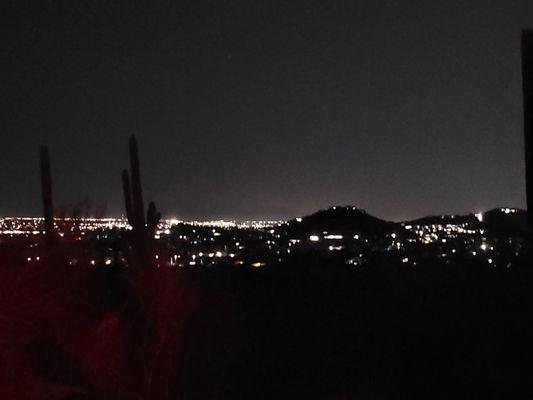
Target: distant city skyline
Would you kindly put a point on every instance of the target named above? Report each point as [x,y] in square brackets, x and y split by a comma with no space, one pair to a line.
[252,111]
[121,221]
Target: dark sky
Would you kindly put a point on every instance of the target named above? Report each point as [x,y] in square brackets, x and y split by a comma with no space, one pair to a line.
[249,109]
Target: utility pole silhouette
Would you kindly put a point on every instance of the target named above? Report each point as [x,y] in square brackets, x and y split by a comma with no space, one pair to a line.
[46,186]
[527,87]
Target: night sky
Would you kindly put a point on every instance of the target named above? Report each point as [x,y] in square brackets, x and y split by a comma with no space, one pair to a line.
[259,109]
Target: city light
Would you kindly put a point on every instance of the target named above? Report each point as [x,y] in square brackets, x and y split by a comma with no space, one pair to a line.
[208,243]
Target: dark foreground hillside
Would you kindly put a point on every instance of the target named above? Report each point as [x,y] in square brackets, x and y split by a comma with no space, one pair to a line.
[309,328]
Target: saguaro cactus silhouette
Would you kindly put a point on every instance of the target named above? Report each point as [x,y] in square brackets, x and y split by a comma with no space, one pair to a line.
[136,188]
[46,186]
[527,86]
[133,199]
[126,187]
[152,219]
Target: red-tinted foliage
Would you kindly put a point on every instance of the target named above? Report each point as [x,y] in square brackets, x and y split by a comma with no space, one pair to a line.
[110,334]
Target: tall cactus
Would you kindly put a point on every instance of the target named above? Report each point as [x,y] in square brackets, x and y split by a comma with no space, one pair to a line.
[136,188]
[527,85]
[152,219]
[133,199]
[126,187]
[46,186]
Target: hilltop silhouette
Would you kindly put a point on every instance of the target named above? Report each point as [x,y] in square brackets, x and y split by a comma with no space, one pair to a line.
[341,218]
